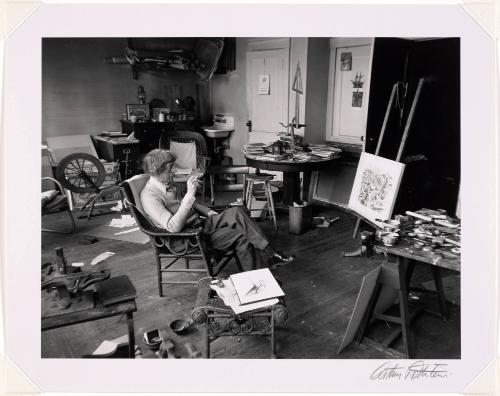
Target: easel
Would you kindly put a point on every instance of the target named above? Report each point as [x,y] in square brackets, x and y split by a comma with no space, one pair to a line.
[403,139]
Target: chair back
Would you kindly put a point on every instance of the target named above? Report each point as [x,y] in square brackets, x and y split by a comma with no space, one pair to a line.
[132,189]
[187,137]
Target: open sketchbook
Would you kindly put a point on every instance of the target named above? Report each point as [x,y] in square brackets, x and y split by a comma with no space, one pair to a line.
[262,296]
[257,285]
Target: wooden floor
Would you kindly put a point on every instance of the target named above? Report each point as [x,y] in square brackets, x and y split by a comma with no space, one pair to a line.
[320,286]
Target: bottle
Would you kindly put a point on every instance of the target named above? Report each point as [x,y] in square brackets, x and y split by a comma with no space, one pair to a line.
[60,260]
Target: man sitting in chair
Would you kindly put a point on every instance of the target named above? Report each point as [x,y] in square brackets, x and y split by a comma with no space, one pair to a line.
[231,229]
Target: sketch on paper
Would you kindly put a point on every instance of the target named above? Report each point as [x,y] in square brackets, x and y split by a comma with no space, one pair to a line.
[375,187]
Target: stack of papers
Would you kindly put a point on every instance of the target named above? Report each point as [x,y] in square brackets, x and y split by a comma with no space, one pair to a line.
[254,148]
[124,221]
[249,290]
[324,151]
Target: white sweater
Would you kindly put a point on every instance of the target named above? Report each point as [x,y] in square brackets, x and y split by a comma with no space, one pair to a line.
[154,200]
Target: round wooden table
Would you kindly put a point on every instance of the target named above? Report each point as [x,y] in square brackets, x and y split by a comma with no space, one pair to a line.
[291,170]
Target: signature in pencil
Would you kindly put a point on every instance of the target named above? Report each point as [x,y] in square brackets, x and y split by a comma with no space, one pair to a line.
[414,371]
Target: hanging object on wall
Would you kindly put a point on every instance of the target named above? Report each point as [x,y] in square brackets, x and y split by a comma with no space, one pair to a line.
[346,61]
[357,98]
[264,84]
[357,95]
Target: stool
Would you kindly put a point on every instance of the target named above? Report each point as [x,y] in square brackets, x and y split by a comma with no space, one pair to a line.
[227,169]
[220,320]
[265,179]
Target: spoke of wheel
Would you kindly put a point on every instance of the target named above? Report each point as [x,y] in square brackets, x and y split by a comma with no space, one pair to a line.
[73,166]
[78,165]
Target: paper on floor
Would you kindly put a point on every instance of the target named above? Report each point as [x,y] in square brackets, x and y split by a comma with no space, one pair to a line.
[124,221]
[127,231]
[101,257]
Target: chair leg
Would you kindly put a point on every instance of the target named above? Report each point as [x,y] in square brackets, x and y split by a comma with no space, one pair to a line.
[72,218]
[244,194]
[212,195]
[207,340]
[158,271]
[249,195]
[273,338]
[271,203]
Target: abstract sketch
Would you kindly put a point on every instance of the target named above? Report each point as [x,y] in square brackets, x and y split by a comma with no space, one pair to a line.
[375,187]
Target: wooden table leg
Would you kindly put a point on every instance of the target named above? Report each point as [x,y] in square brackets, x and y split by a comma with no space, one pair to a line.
[131,335]
[403,306]
[436,273]
[291,187]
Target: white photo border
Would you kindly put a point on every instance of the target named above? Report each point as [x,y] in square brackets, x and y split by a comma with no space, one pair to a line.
[21,210]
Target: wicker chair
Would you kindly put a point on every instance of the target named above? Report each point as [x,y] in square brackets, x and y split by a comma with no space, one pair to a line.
[202,158]
[190,244]
[59,204]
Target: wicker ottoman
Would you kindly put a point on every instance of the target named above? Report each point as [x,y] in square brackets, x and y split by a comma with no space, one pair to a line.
[220,320]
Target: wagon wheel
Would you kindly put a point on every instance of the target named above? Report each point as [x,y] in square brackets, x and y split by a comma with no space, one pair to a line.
[80,173]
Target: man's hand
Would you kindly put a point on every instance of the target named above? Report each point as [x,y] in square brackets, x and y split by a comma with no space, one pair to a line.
[192,185]
[212,212]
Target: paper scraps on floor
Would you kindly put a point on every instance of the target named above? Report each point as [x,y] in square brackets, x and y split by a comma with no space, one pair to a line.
[124,221]
[101,257]
[258,289]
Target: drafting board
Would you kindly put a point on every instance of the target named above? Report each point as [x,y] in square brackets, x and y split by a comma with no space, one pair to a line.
[61,146]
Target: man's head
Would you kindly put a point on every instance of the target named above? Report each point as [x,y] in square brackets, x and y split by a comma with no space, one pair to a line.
[159,163]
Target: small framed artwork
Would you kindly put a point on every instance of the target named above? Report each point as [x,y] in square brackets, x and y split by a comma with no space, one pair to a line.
[138,112]
[346,61]
[357,98]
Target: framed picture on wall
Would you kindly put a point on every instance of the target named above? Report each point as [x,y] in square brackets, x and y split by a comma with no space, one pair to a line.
[137,112]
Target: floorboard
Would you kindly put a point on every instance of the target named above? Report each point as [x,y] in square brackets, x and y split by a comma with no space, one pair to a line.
[321,287]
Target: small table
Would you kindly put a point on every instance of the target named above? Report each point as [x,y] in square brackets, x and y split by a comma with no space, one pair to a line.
[396,274]
[98,312]
[291,170]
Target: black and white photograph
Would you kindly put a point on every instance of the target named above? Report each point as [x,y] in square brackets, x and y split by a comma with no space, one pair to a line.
[247,199]
[174,243]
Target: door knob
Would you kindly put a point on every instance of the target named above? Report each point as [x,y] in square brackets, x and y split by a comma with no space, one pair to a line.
[249,125]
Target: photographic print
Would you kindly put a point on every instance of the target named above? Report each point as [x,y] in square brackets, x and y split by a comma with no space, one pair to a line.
[357,218]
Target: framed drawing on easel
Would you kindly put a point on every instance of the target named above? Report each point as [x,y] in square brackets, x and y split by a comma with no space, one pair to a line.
[375,187]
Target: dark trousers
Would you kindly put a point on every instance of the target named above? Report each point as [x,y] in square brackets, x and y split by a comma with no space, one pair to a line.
[234,229]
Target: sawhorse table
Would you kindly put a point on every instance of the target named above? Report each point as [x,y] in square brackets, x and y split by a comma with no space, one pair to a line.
[395,273]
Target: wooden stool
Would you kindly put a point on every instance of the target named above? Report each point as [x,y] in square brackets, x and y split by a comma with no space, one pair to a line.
[265,179]
[220,320]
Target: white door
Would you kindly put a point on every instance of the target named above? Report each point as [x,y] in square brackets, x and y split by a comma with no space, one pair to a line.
[267,93]
[350,93]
